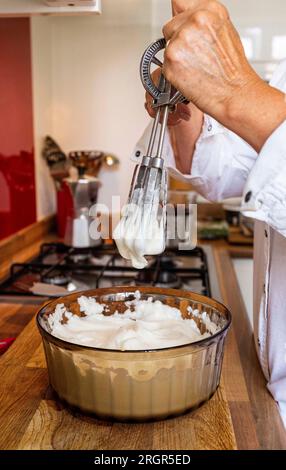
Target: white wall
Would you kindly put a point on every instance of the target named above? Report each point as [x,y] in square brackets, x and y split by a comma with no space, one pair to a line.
[41,35]
[261,21]
[98,96]
[87,90]
[257,20]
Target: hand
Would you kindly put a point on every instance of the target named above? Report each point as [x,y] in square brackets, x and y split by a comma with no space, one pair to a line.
[179,6]
[182,112]
[205,60]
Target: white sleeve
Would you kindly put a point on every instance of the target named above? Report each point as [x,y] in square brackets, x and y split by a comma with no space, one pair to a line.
[225,163]
[265,191]
[221,162]
[264,194]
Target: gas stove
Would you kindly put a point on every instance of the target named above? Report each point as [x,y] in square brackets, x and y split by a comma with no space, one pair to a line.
[81,269]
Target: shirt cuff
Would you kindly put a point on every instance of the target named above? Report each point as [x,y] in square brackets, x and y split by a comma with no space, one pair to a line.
[264,196]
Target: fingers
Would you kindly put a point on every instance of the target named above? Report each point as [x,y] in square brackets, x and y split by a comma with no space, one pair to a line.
[173,25]
[182,112]
[194,10]
[179,6]
[148,106]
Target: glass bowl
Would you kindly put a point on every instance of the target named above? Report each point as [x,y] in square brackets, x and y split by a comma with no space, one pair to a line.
[137,385]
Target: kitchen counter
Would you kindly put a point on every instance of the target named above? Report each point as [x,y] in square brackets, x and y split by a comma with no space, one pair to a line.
[240,415]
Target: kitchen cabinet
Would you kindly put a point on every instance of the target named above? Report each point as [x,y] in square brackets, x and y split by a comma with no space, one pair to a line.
[244,272]
[9,8]
[17,174]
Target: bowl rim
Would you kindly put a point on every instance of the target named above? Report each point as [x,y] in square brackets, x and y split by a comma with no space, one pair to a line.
[193,296]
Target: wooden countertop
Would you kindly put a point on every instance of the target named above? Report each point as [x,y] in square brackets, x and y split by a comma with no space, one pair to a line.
[240,415]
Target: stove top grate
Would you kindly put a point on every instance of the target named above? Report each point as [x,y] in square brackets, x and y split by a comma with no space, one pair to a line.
[100,264]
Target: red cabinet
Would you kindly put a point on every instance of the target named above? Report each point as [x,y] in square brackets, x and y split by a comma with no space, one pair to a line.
[17,175]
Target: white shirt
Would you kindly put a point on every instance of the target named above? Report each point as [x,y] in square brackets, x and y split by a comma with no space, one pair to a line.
[225,166]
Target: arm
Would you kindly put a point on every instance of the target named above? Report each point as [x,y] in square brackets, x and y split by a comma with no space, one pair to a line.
[200,150]
[218,161]
[205,53]
[205,60]
[184,137]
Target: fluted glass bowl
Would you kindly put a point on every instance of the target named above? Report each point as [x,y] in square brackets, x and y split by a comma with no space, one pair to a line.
[137,385]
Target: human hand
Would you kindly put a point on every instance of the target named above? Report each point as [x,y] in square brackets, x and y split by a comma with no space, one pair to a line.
[182,111]
[179,6]
[205,59]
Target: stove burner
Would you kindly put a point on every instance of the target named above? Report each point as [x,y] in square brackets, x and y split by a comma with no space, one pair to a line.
[99,260]
[166,263]
[77,258]
[56,277]
[161,279]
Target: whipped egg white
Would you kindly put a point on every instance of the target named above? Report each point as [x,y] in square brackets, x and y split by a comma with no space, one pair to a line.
[146,324]
[141,232]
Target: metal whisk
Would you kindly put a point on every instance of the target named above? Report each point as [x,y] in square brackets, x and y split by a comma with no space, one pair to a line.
[149,180]
[142,228]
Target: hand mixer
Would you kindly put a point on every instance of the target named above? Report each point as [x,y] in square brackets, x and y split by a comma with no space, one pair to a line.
[142,229]
[148,176]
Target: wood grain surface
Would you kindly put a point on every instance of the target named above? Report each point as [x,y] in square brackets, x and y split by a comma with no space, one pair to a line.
[33,418]
[24,244]
[240,415]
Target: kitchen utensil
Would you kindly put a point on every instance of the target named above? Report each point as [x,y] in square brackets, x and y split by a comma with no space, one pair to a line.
[57,161]
[84,191]
[106,160]
[149,183]
[84,160]
[137,385]
[52,152]
[90,161]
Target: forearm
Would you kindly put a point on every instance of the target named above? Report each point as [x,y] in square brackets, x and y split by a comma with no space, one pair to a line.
[183,138]
[255,113]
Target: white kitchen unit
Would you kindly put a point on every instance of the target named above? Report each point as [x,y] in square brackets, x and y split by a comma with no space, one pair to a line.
[11,8]
[244,272]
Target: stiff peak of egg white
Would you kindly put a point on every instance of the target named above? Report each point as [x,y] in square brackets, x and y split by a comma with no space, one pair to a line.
[144,325]
[140,232]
